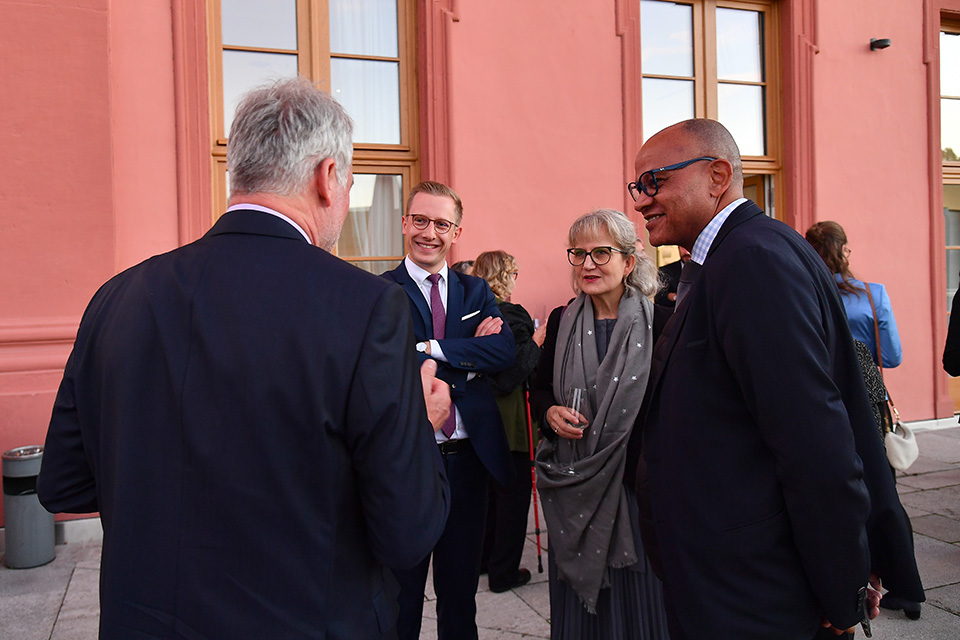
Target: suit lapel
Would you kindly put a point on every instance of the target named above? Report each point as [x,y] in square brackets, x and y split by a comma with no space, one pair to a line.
[674,326]
[416,297]
[455,293]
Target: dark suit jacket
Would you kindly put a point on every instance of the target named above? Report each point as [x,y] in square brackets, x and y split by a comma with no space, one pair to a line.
[756,491]
[951,350]
[468,296]
[246,413]
[670,276]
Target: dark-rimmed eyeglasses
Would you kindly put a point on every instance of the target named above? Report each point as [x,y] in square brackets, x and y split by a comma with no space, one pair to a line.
[599,255]
[422,222]
[647,182]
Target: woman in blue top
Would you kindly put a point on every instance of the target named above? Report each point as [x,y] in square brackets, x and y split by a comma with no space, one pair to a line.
[900,577]
[830,241]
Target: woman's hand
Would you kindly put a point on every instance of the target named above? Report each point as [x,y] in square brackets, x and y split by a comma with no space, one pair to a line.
[561,420]
[540,334]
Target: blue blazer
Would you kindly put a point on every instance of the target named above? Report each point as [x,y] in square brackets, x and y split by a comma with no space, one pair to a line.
[246,414]
[755,413]
[860,317]
[469,301]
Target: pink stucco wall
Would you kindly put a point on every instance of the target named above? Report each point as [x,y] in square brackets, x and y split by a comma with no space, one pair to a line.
[88,178]
[537,132]
[872,174]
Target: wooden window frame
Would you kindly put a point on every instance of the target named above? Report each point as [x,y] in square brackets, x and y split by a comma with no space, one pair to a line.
[313,62]
[706,82]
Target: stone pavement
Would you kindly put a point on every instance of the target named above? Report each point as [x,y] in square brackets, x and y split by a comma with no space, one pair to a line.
[59,601]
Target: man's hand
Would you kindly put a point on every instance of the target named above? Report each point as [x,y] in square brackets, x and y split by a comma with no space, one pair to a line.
[436,394]
[490,326]
[872,606]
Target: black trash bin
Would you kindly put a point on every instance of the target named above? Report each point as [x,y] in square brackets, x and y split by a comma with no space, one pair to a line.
[29,528]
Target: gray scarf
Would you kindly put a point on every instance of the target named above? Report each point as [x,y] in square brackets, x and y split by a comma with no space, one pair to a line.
[588,517]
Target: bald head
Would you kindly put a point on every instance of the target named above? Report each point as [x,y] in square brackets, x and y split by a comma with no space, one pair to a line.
[714,140]
[697,171]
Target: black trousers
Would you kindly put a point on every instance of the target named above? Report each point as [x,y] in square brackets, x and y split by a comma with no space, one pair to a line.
[506,528]
[456,558]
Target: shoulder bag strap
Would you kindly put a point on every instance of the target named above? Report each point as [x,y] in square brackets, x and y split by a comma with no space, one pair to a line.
[876,333]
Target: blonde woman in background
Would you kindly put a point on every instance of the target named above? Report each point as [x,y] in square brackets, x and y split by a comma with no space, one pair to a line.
[507,512]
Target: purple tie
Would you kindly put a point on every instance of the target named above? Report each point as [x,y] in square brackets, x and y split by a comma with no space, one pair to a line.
[439,331]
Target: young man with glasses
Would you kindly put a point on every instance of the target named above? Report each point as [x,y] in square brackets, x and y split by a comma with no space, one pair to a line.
[457,323]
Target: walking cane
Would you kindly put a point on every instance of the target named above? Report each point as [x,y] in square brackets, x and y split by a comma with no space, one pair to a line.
[533,479]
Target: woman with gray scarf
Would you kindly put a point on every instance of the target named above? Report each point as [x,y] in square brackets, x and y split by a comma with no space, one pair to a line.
[601,585]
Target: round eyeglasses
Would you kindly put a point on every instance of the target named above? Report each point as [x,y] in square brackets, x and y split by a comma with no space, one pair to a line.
[599,255]
[647,182]
[440,225]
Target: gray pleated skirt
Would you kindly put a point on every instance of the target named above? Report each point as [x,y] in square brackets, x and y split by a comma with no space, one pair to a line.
[631,609]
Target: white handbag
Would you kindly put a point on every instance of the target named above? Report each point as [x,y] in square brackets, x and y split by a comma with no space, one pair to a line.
[901,444]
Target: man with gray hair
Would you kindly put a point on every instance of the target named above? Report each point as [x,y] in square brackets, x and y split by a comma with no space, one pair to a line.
[245,412]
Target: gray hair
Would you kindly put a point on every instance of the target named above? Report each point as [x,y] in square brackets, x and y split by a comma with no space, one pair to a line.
[281,132]
[644,277]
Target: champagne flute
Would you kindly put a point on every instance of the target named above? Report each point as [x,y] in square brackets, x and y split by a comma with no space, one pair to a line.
[575,399]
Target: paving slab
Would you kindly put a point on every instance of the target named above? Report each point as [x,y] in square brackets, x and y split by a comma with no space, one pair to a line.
[937,526]
[932,480]
[927,464]
[939,563]
[79,617]
[945,501]
[946,598]
[938,446]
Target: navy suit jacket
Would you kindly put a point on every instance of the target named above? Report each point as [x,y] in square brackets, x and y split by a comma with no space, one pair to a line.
[469,301]
[246,414]
[753,412]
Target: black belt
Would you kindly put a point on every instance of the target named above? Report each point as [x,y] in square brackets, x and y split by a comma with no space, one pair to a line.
[453,447]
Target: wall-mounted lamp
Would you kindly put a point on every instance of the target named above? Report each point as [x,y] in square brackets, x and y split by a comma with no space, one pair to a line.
[879,43]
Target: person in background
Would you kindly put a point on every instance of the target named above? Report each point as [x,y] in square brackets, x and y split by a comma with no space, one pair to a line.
[464,266]
[670,278]
[830,241]
[457,323]
[601,585]
[246,414]
[754,497]
[900,575]
[951,349]
[507,513]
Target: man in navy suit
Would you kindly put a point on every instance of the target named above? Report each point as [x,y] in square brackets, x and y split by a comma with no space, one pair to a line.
[456,322]
[755,412]
[246,411]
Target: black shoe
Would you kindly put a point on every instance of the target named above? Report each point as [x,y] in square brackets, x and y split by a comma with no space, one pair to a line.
[522,578]
[910,609]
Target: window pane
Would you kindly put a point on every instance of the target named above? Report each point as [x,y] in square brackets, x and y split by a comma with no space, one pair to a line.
[370,92]
[949,59]
[254,23]
[739,45]
[665,102]
[364,27]
[372,227]
[376,267]
[950,128]
[244,70]
[740,109]
[666,38]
